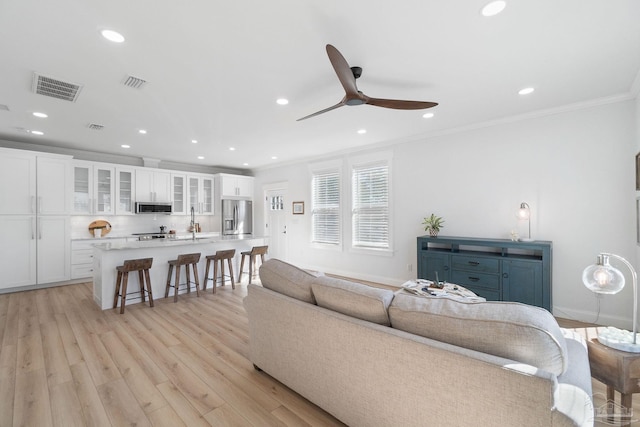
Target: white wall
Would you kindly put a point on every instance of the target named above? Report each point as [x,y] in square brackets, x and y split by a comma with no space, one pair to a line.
[576,169]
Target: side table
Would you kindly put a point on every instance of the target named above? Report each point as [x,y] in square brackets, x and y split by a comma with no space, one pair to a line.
[618,370]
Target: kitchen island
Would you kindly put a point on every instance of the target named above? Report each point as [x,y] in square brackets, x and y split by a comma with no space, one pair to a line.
[107,256]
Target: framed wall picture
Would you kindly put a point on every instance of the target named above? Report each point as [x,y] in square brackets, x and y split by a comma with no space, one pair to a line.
[638,172]
[298,208]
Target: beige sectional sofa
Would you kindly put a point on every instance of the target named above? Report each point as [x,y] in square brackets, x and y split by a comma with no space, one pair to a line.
[374,357]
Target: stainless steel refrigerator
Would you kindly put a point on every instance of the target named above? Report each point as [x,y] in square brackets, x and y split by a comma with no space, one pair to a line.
[237,217]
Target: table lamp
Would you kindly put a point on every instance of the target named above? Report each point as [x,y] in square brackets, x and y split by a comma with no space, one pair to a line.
[602,278]
[524,213]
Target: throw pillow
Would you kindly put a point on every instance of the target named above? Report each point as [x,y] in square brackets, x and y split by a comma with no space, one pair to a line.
[287,279]
[519,332]
[353,299]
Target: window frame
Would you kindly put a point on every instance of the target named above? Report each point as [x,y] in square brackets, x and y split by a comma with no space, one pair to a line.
[322,169]
[356,163]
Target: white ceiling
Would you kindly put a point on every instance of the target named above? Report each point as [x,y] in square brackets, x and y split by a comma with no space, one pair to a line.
[215,69]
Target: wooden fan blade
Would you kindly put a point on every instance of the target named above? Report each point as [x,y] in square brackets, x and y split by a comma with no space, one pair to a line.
[340,104]
[343,71]
[399,104]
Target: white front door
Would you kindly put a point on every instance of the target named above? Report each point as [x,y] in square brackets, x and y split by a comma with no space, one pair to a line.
[276,204]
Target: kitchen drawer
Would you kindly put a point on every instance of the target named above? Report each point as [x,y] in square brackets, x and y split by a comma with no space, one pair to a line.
[81,256]
[473,278]
[475,263]
[81,271]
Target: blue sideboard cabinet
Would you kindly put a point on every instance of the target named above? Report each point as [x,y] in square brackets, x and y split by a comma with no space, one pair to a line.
[496,269]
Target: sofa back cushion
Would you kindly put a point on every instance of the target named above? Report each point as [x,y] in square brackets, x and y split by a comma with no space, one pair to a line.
[511,330]
[353,299]
[287,279]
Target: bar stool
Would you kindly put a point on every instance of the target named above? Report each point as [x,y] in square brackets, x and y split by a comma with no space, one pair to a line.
[186,260]
[142,266]
[252,254]
[219,256]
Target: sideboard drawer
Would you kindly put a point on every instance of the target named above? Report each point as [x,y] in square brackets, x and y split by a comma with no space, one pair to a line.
[474,263]
[464,278]
[488,294]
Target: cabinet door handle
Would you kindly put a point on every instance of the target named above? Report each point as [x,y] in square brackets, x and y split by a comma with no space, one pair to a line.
[505,275]
[39,204]
[474,263]
[445,268]
[33,204]
[33,228]
[39,229]
[474,279]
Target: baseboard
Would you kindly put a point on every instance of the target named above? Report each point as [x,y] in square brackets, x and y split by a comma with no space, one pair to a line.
[591,317]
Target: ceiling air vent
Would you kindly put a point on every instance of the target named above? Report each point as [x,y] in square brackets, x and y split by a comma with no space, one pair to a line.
[55,88]
[134,82]
[95,126]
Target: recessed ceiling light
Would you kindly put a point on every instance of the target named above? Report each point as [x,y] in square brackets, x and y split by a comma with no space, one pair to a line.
[526,91]
[41,115]
[427,115]
[125,146]
[362,131]
[112,36]
[200,157]
[245,164]
[232,149]
[142,131]
[194,141]
[37,132]
[282,101]
[494,8]
[274,157]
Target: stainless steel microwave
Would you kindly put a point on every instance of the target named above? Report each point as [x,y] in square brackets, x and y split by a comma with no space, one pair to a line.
[153,208]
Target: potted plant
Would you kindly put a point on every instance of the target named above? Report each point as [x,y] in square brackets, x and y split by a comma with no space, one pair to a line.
[433,224]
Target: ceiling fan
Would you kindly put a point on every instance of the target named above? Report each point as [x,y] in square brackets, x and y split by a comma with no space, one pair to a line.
[348,75]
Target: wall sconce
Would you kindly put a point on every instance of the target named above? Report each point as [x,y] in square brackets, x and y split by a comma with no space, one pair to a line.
[602,278]
[524,213]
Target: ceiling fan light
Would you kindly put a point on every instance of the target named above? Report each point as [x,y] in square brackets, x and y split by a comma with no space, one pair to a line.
[493,8]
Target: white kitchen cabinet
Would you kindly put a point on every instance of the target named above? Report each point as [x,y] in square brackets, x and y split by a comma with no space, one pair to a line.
[125,191]
[235,186]
[179,197]
[18,256]
[93,188]
[53,248]
[34,249]
[31,183]
[200,194]
[153,185]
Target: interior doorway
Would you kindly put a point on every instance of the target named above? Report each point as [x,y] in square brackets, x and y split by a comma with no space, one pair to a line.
[276,207]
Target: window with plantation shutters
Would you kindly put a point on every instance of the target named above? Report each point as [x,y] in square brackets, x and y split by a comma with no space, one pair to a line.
[325,207]
[370,205]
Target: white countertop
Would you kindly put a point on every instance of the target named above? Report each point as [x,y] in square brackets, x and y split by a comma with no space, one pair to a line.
[170,242]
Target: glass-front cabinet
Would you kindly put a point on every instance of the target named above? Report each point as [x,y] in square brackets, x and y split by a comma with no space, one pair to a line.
[125,196]
[179,194]
[200,194]
[93,188]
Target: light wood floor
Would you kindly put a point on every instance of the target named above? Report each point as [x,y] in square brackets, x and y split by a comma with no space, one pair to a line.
[64,362]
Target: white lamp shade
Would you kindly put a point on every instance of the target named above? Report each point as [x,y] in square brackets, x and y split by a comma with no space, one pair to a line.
[602,278]
[523,212]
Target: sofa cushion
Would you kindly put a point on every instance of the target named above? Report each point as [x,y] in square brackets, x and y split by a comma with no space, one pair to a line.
[287,279]
[515,331]
[353,299]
